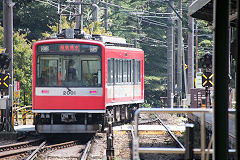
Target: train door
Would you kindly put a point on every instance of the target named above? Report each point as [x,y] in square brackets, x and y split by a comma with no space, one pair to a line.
[130,77]
[136,79]
[111,79]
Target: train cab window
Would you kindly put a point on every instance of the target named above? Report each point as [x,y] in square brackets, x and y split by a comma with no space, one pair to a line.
[71,71]
[68,71]
[91,73]
[47,75]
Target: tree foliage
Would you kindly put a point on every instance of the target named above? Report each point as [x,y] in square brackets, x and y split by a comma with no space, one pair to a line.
[136,20]
[22,65]
[32,18]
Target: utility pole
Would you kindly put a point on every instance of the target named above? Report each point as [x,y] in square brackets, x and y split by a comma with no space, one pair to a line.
[170,58]
[8,44]
[60,16]
[179,54]
[79,14]
[106,16]
[196,30]
[190,53]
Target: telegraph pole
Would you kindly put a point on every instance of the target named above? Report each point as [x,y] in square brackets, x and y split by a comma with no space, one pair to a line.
[190,53]
[179,54]
[79,14]
[106,16]
[8,44]
[170,58]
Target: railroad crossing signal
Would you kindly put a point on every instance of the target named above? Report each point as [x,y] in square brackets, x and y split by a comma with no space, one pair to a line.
[4,81]
[207,79]
[206,61]
[4,60]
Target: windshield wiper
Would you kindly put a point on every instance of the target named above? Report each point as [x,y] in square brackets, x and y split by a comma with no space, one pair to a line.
[69,89]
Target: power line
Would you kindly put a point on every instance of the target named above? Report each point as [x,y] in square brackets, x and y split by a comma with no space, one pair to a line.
[118,6]
[147,20]
[53,4]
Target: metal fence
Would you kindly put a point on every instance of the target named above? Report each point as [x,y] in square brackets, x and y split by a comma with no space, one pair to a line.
[136,149]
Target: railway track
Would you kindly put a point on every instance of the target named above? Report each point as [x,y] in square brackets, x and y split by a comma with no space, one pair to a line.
[86,150]
[169,132]
[43,148]
[52,148]
[158,139]
[33,148]
[19,148]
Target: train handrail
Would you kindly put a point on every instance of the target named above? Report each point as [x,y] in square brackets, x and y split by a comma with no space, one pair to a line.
[136,149]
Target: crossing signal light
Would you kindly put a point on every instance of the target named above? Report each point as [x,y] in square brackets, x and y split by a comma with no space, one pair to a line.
[4,81]
[206,61]
[4,61]
[207,79]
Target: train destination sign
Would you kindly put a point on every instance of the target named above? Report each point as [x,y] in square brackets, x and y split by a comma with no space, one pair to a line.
[68,48]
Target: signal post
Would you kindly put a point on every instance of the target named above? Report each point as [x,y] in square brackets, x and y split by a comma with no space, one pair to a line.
[207,77]
[6,73]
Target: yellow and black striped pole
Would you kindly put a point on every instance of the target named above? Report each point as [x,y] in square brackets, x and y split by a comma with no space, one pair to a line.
[24,117]
[13,115]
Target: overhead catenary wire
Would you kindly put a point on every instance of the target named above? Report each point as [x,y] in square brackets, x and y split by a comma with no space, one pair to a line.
[147,21]
[148,42]
[118,6]
[154,40]
[56,5]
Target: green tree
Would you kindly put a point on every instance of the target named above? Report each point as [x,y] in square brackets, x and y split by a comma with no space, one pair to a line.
[136,19]
[32,18]
[23,66]
[22,63]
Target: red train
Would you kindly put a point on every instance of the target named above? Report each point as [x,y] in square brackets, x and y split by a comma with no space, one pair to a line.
[76,81]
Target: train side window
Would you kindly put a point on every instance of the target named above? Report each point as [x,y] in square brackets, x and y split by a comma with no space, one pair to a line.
[116,64]
[120,73]
[129,68]
[137,71]
[110,70]
[132,70]
[125,65]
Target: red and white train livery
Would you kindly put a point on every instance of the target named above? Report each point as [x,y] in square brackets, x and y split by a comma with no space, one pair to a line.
[75,81]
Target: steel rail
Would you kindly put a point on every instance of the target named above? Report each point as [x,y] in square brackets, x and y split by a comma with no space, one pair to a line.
[170,132]
[176,150]
[153,120]
[19,145]
[10,152]
[60,145]
[34,154]
[86,150]
[132,131]
[16,152]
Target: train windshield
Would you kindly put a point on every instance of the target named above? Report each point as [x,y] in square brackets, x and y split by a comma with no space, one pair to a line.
[74,70]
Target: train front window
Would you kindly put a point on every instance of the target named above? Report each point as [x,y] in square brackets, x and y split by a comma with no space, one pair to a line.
[69,71]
